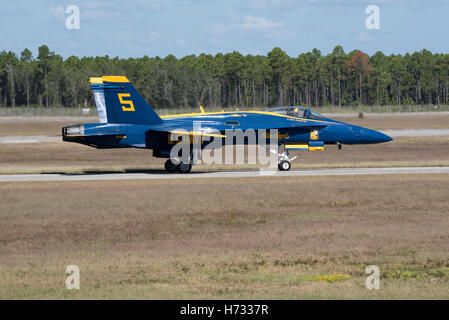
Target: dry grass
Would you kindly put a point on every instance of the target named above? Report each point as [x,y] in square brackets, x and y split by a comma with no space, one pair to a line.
[30,127]
[246,238]
[242,238]
[398,121]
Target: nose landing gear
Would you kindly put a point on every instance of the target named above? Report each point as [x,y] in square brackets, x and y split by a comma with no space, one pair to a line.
[285,161]
[284,165]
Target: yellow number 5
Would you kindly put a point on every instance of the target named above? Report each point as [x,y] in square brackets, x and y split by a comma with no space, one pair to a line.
[129,102]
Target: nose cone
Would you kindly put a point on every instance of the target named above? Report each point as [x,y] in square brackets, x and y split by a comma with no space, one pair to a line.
[351,134]
[373,136]
[383,137]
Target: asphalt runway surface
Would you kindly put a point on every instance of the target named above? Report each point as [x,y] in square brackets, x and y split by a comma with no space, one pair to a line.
[159,174]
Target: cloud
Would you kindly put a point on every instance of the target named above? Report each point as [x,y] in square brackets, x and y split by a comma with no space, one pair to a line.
[363,37]
[259,24]
[124,37]
[96,4]
[58,12]
[220,29]
[99,14]
[260,4]
[347,3]
[281,34]
[250,23]
[152,36]
[254,28]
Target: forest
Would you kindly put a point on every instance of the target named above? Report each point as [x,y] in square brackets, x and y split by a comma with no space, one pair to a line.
[231,79]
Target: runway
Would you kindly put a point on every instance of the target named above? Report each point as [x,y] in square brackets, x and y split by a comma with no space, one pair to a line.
[155,175]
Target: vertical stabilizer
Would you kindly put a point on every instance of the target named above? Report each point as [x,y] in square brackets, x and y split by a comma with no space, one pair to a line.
[119,102]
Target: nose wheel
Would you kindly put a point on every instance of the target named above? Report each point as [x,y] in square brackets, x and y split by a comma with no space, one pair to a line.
[284,165]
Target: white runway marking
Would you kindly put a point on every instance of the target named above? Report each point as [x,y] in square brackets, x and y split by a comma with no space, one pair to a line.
[221,174]
[29,139]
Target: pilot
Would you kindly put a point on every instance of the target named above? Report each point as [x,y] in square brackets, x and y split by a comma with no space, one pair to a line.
[292,112]
[296,112]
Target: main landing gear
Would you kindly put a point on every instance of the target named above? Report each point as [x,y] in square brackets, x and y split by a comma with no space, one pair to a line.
[181,167]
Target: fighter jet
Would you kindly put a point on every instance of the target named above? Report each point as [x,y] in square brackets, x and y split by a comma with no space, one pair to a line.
[126,120]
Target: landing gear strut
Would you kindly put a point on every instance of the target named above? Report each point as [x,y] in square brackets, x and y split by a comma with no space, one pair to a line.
[284,161]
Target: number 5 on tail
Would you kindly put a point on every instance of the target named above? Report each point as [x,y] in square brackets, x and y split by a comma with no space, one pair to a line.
[128,102]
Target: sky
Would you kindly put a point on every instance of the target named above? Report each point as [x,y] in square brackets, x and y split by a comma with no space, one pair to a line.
[134,28]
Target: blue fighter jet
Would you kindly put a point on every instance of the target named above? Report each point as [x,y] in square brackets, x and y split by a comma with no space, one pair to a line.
[128,121]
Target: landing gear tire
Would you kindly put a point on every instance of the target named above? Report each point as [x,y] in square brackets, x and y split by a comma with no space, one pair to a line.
[184,167]
[284,165]
[170,167]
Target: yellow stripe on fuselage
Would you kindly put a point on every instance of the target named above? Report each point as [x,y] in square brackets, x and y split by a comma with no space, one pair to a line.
[185,115]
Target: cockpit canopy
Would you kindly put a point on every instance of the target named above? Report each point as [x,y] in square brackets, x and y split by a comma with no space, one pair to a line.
[300,112]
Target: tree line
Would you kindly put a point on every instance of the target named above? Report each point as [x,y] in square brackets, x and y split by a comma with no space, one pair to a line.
[231,79]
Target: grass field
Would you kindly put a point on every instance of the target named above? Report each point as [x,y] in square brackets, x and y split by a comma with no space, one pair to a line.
[267,238]
[275,238]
